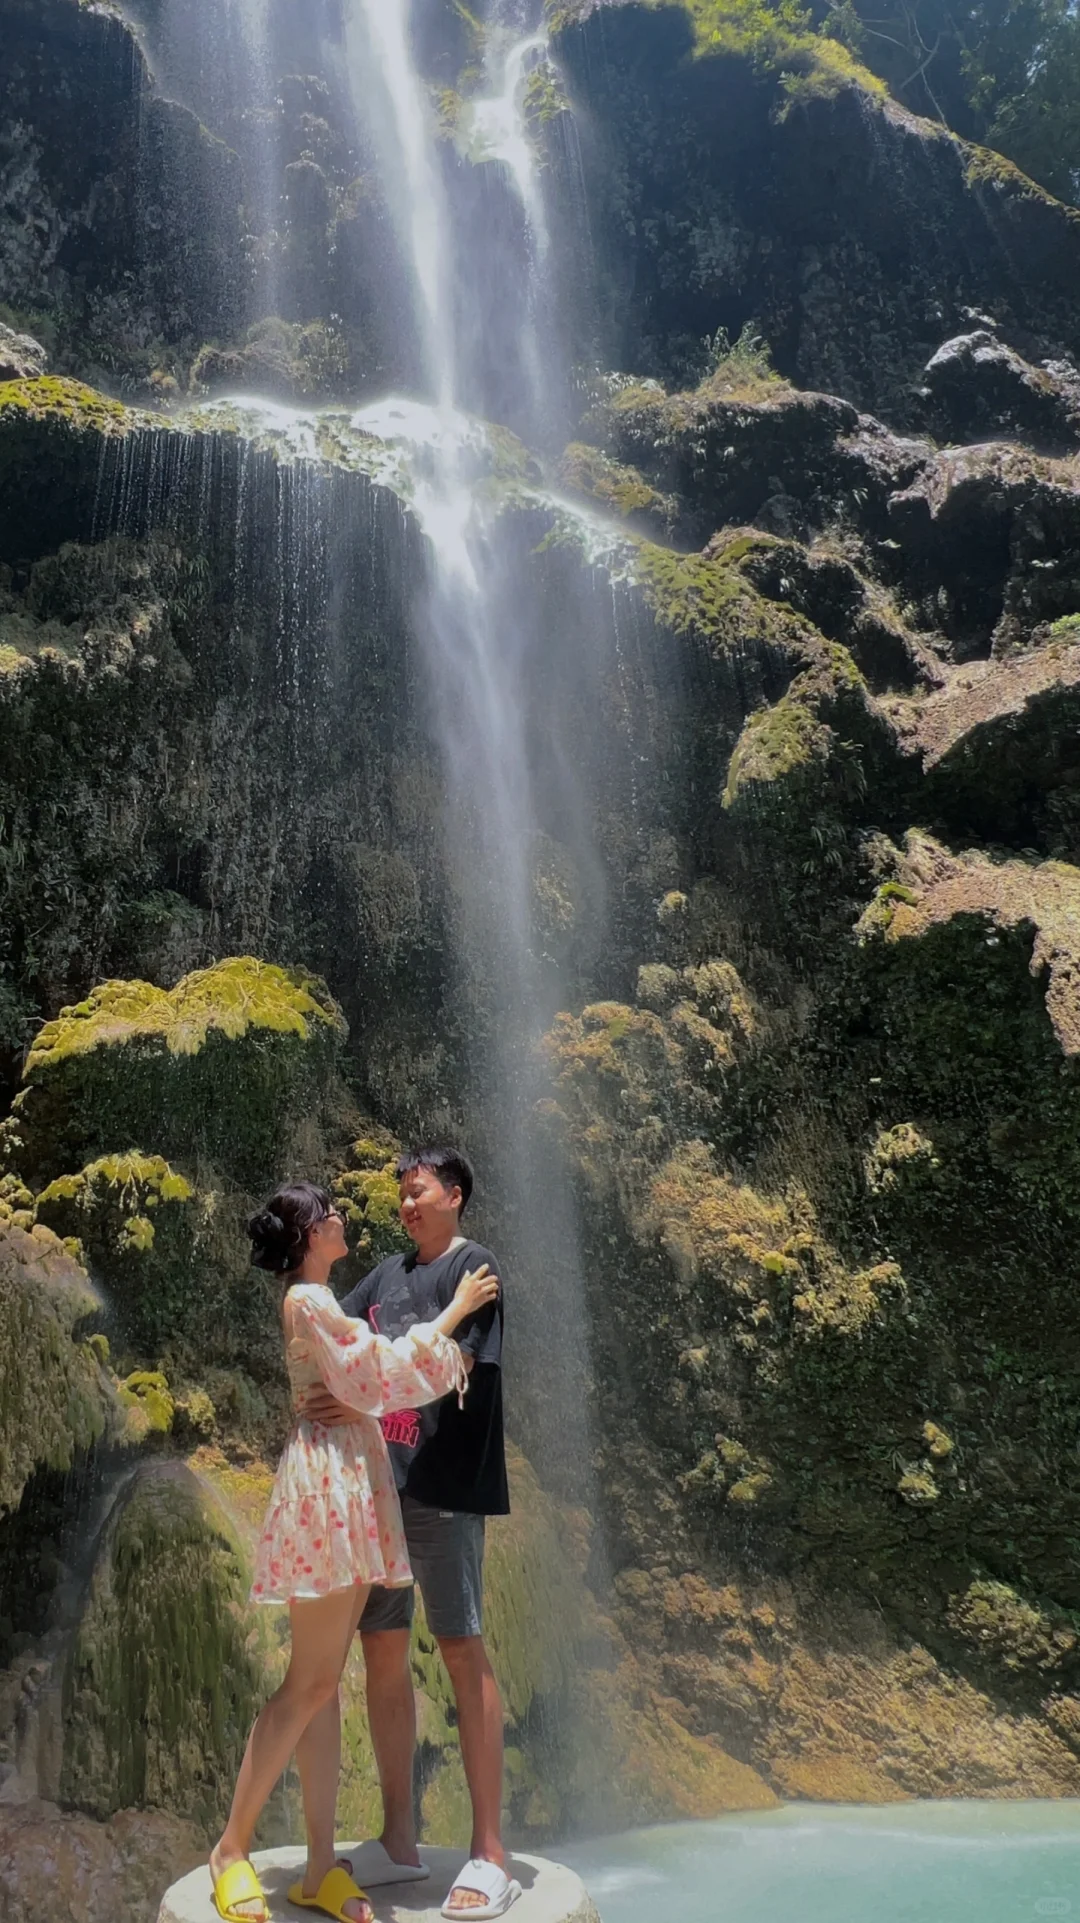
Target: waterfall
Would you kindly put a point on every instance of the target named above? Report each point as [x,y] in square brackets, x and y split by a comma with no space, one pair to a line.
[474,632]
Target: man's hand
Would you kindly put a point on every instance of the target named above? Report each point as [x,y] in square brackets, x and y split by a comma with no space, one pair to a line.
[318,1405]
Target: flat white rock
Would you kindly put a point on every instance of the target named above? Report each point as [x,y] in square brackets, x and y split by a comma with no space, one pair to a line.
[550,1893]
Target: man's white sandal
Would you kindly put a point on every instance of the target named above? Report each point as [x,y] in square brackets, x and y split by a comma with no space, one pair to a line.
[484,1879]
[372,1865]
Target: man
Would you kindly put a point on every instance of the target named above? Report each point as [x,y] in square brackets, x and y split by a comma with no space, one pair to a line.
[450,1467]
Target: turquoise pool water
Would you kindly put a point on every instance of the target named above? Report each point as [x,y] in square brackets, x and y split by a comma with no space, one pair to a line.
[909,1863]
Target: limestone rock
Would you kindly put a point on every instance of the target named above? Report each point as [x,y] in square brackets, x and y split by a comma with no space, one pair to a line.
[997,744]
[983,389]
[59,1863]
[22,358]
[122,205]
[762,179]
[990,535]
[934,888]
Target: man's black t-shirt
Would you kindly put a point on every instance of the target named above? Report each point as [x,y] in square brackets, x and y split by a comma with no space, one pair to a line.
[447,1457]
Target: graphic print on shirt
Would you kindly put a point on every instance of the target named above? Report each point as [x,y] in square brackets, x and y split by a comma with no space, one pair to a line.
[403,1426]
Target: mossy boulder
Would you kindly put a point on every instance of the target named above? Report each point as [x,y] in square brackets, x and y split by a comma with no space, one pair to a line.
[168,1668]
[56,1398]
[221,1067]
[139,1226]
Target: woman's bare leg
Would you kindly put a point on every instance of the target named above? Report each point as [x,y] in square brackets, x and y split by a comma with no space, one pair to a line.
[318,1759]
[322,1630]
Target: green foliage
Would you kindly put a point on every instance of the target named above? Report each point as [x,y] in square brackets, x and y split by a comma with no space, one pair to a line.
[297,360]
[737,363]
[368,1198]
[151,1409]
[1007,77]
[1006,1628]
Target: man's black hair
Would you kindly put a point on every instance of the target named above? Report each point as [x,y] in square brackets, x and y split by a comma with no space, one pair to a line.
[452,1167]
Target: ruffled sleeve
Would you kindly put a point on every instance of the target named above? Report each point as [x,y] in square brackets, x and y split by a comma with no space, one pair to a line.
[368,1372]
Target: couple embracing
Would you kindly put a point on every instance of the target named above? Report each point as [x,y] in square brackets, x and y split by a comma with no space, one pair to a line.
[393,1463]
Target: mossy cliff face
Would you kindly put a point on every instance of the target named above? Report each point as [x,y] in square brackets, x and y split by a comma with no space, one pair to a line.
[738,172]
[124,214]
[55,1397]
[814,1079]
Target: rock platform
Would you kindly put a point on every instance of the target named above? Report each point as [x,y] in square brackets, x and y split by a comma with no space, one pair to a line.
[550,1893]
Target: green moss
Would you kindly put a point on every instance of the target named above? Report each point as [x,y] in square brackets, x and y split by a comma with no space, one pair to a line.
[221,1066]
[83,409]
[985,168]
[623,490]
[544,97]
[168,1666]
[918,1488]
[778,40]
[55,1399]
[775,743]
[140,1226]
[298,360]
[691,593]
[1067,629]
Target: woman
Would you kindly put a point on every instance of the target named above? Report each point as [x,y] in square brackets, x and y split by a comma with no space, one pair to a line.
[333,1528]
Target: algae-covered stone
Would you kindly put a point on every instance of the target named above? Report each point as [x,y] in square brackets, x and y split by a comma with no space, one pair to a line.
[55,1397]
[139,1225]
[168,1667]
[220,1066]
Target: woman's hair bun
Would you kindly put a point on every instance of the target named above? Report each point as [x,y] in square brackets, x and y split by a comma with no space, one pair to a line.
[279,1231]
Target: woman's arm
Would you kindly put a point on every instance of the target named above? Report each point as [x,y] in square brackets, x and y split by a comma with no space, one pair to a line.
[372,1375]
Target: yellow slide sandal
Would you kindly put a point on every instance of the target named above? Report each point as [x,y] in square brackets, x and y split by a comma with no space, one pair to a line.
[239,1884]
[336,1889]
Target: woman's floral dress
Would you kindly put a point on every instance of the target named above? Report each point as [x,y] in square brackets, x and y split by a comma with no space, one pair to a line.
[334,1518]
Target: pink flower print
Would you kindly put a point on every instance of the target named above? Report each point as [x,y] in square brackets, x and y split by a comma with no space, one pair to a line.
[317,1544]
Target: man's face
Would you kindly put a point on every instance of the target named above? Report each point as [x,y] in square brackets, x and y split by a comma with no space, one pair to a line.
[427,1208]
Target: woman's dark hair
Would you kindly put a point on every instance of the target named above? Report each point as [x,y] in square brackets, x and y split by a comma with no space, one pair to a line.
[450,1165]
[279,1232]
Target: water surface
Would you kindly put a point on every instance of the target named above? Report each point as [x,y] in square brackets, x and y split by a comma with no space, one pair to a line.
[909,1863]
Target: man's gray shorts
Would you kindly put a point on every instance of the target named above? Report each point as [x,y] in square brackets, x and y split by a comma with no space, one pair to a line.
[446,1549]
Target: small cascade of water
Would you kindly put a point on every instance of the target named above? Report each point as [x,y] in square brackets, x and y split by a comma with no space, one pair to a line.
[495,128]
